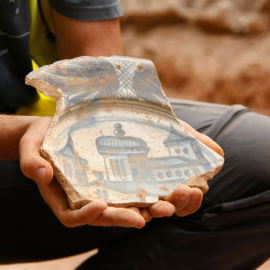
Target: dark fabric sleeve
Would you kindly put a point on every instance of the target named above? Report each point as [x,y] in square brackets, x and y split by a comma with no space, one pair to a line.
[88,10]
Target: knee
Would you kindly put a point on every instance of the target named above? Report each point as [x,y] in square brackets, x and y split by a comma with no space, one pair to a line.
[246,145]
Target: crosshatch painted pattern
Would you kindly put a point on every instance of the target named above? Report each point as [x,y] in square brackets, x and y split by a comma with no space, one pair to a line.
[115,137]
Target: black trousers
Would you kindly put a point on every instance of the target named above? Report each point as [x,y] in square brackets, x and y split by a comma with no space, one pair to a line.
[230,231]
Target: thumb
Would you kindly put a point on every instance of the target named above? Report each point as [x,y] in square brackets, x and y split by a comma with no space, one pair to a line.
[32,164]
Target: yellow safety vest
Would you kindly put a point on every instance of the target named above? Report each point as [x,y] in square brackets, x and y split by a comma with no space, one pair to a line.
[43,52]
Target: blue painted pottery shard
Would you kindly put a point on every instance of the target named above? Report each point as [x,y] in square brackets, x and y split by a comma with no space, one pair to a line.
[114,136]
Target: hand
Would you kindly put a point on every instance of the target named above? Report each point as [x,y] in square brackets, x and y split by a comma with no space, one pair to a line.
[35,167]
[95,213]
[184,200]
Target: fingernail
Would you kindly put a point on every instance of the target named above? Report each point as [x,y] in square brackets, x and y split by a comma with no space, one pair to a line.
[41,174]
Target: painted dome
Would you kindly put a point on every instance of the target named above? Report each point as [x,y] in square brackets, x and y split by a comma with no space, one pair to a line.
[120,144]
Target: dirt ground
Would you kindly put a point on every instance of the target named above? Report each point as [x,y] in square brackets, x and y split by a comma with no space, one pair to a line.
[203,49]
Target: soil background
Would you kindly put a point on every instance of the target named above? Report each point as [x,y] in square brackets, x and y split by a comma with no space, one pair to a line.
[207,50]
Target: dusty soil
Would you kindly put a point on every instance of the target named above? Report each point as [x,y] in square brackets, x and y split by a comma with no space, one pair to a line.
[208,50]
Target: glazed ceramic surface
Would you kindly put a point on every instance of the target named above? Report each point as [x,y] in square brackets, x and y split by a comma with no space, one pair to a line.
[114,136]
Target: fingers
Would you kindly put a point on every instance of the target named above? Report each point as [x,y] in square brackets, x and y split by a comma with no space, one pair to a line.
[96,213]
[193,205]
[146,214]
[162,209]
[185,199]
[182,201]
[88,214]
[180,197]
[203,138]
[120,217]
[32,164]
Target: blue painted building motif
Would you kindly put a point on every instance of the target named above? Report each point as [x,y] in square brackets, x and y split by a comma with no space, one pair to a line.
[126,162]
[89,86]
[125,158]
[72,164]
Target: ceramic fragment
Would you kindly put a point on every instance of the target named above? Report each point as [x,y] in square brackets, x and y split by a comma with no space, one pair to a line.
[114,136]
